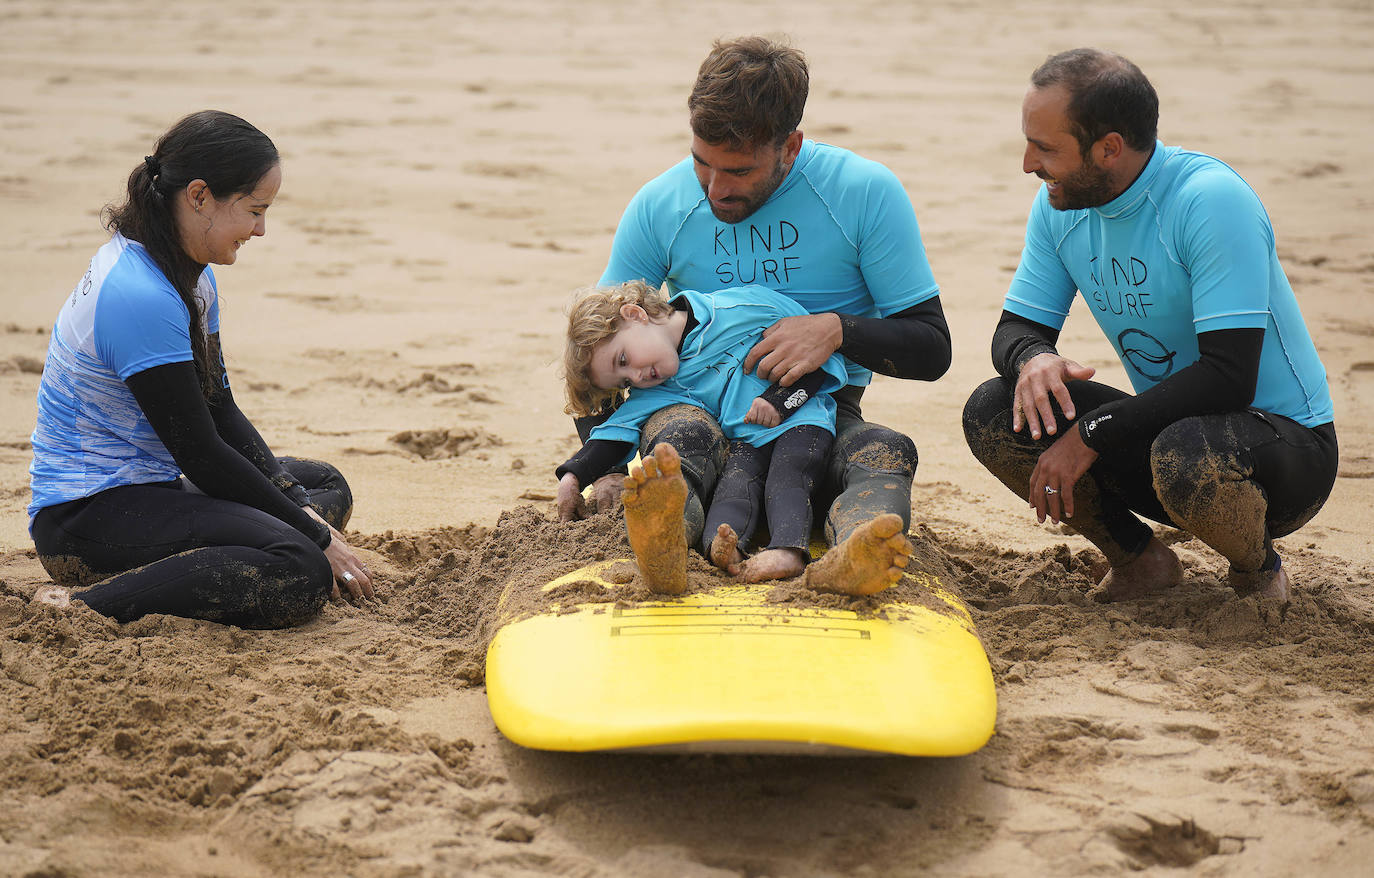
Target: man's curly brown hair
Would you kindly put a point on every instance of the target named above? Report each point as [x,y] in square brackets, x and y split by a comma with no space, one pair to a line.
[749,93]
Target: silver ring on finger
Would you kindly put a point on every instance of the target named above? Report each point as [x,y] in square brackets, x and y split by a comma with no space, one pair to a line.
[1049,490]
[347,577]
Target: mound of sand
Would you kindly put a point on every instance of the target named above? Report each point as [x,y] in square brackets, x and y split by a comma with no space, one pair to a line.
[359,743]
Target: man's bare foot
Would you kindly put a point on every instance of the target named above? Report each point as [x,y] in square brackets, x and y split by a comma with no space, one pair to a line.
[725,552]
[1156,569]
[870,560]
[1267,584]
[655,494]
[52,595]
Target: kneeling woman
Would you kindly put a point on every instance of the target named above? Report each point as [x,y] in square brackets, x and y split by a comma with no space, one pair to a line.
[135,396]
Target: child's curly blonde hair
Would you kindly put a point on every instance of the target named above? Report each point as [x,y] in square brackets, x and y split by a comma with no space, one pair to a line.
[593,318]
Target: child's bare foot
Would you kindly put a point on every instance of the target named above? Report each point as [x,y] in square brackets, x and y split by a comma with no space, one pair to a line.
[655,494]
[870,560]
[52,595]
[725,552]
[773,564]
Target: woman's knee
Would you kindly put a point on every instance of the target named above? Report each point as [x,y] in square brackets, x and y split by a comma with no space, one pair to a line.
[342,497]
[329,491]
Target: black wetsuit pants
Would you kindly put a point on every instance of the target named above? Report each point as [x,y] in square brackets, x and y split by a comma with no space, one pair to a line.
[776,479]
[868,473]
[1234,480]
[166,548]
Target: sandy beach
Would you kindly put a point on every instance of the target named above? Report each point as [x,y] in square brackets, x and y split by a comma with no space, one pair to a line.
[452,172]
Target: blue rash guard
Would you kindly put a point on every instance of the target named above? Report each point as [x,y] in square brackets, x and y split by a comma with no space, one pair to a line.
[1188,248]
[124,317]
[838,235]
[711,372]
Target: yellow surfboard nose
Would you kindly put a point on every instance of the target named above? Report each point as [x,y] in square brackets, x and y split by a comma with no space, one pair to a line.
[724,670]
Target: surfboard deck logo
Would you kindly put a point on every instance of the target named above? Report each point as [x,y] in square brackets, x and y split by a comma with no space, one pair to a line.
[724,670]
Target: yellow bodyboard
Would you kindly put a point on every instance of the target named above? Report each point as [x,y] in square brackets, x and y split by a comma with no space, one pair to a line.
[724,671]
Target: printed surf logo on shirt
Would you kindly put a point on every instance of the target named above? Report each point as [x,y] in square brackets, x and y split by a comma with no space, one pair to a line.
[1125,297]
[754,254]
[1146,354]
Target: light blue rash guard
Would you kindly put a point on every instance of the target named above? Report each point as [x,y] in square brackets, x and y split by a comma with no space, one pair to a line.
[711,372]
[839,235]
[124,317]
[1187,249]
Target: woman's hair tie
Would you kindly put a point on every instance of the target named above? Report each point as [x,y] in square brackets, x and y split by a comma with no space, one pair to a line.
[154,166]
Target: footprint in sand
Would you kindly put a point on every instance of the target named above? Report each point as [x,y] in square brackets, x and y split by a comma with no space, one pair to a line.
[23,364]
[428,382]
[544,245]
[1171,842]
[1320,169]
[444,443]
[504,169]
[499,211]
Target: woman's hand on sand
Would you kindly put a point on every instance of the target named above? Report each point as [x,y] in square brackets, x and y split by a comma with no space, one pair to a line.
[347,568]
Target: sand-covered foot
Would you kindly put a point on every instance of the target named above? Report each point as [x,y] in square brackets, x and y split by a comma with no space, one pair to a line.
[870,560]
[52,595]
[725,552]
[773,564]
[1156,569]
[1265,584]
[655,494]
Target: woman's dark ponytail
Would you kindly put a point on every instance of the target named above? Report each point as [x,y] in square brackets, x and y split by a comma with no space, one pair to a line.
[231,156]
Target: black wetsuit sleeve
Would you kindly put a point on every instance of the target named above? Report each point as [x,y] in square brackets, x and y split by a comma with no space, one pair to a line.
[913,343]
[594,459]
[583,465]
[586,424]
[240,434]
[1222,379]
[171,400]
[786,400]
[1016,340]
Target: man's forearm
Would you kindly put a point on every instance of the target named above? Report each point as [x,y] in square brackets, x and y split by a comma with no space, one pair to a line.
[912,344]
[1222,379]
[1016,340]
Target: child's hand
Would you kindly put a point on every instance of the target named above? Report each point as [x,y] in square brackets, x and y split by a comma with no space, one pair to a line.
[761,412]
[570,504]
